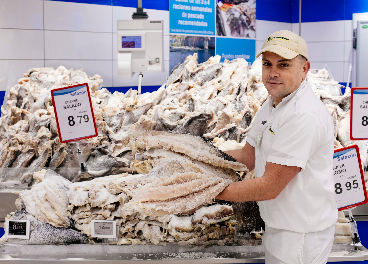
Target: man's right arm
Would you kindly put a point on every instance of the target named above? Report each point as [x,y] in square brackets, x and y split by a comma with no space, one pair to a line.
[246,155]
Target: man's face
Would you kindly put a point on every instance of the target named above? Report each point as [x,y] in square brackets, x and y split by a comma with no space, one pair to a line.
[280,76]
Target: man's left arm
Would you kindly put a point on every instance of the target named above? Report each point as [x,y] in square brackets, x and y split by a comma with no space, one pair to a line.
[294,143]
[268,187]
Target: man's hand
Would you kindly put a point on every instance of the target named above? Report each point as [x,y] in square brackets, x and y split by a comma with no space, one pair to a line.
[246,155]
[267,187]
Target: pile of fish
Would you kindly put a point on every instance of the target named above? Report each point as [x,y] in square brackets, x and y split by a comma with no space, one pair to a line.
[171,200]
[156,164]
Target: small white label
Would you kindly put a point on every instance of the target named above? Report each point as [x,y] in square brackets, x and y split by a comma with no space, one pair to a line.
[349,179]
[17,229]
[103,229]
[359,114]
[74,113]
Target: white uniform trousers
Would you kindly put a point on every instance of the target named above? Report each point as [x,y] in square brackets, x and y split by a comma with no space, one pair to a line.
[287,247]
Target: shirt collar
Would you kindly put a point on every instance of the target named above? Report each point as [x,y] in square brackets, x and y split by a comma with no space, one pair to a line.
[297,93]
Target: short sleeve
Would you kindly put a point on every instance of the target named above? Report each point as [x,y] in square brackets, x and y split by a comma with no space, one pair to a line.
[296,140]
[251,136]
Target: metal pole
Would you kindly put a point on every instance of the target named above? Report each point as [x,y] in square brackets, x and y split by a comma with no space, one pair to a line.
[300,17]
[139,3]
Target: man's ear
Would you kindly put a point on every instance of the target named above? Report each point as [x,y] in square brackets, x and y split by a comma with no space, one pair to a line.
[306,67]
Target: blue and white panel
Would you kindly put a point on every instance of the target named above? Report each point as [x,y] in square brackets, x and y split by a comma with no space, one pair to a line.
[234,48]
[193,17]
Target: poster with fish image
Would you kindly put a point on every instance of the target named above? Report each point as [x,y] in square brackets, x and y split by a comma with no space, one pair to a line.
[192,30]
[349,178]
[236,18]
[74,113]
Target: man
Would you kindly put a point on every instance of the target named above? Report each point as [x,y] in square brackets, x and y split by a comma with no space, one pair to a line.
[290,146]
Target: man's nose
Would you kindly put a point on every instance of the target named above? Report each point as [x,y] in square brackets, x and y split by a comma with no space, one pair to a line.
[273,72]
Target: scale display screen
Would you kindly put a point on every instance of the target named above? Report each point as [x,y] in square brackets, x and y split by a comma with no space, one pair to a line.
[128,42]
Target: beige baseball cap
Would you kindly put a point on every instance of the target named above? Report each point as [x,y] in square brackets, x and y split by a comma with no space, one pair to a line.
[286,44]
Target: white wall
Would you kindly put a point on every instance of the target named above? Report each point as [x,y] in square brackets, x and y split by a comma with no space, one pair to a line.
[329,45]
[37,33]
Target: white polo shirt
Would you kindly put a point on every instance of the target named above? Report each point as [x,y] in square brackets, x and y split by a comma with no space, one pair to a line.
[297,132]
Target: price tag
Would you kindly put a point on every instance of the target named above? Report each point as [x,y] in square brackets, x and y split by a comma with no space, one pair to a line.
[359,114]
[74,113]
[103,229]
[349,179]
[17,229]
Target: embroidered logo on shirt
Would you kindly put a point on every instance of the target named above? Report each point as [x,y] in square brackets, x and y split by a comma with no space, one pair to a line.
[271,131]
[263,122]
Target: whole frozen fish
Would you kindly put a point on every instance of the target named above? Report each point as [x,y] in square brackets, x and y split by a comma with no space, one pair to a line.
[44,233]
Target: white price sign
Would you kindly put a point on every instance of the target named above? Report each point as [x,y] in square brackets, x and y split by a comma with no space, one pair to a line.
[74,113]
[349,179]
[359,114]
[103,229]
[17,229]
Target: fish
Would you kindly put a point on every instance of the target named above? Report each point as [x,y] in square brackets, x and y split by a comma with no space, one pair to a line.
[48,200]
[44,153]
[70,167]
[43,233]
[194,147]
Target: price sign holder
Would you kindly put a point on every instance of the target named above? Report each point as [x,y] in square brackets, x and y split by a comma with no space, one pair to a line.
[17,229]
[359,114]
[349,181]
[74,113]
[349,178]
[103,229]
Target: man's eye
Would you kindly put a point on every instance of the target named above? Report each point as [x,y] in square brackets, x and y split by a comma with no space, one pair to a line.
[266,64]
[284,65]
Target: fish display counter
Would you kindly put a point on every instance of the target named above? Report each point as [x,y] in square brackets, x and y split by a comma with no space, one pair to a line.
[152,172]
[106,254]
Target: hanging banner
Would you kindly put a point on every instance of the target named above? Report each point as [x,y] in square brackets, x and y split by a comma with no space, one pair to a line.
[74,113]
[240,48]
[192,17]
[209,27]
[349,178]
[359,114]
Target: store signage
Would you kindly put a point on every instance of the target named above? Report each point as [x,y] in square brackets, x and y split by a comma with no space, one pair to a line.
[74,113]
[103,229]
[359,114]
[192,17]
[17,229]
[349,178]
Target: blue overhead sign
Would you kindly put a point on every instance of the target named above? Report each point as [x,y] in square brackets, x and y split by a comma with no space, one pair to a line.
[240,48]
[192,17]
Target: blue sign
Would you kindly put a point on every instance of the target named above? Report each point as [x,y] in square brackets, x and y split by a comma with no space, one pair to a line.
[235,48]
[192,17]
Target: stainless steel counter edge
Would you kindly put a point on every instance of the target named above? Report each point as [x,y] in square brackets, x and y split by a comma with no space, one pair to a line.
[106,254]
